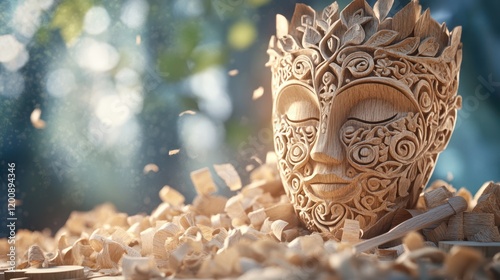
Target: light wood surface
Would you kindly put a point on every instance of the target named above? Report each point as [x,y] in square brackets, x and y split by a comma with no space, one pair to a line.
[453,206]
[489,249]
[50,273]
[362,106]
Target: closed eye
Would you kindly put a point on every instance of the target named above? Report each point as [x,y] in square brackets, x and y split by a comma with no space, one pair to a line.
[373,122]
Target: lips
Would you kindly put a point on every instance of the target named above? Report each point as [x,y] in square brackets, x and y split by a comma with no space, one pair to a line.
[329,186]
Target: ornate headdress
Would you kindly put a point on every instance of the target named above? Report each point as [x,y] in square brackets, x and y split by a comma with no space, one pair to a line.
[331,51]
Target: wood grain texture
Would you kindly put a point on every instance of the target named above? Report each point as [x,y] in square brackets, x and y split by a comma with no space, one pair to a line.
[489,249]
[455,205]
[362,107]
[50,273]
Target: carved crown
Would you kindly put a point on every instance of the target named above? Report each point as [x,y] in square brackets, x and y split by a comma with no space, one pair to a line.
[328,50]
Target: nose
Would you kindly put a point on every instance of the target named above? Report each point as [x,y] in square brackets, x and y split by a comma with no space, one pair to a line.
[328,148]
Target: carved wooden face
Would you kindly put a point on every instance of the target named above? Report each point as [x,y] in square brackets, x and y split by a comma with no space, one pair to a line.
[352,155]
[360,112]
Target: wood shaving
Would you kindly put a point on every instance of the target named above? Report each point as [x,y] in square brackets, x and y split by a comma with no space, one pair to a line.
[187,112]
[258,93]
[35,119]
[173,152]
[171,196]
[151,167]
[253,234]
[203,182]
[229,175]
[233,72]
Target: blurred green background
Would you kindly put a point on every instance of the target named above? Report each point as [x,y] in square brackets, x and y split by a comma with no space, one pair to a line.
[112,77]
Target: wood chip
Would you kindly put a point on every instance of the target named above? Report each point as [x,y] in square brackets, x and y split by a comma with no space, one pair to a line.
[151,167]
[413,241]
[233,72]
[171,196]
[486,234]
[35,119]
[437,197]
[187,112]
[258,93]
[351,231]
[487,200]
[173,152]
[283,211]
[229,175]
[436,234]
[475,222]
[277,228]
[455,228]
[203,182]
[462,262]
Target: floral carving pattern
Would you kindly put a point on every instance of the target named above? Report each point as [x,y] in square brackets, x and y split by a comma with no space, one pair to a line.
[387,163]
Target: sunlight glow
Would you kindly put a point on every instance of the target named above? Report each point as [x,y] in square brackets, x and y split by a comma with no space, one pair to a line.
[96,56]
[96,20]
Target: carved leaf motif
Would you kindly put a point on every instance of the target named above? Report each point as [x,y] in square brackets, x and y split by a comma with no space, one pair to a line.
[382,38]
[354,35]
[288,43]
[350,10]
[428,27]
[328,46]
[450,51]
[406,46]
[382,8]
[404,20]
[331,13]
[428,47]
[323,25]
[301,11]
[311,38]
[281,26]
[386,24]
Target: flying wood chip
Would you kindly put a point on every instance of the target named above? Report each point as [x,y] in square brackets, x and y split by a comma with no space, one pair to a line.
[172,196]
[229,175]
[203,182]
[233,72]
[187,112]
[173,152]
[35,119]
[151,167]
[258,93]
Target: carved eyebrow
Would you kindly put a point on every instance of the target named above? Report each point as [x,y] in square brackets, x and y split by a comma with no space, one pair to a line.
[311,119]
[373,122]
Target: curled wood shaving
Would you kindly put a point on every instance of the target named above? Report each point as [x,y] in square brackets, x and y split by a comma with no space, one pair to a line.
[187,112]
[36,257]
[35,119]
[151,167]
[139,268]
[413,241]
[462,262]
[277,227]
[229,175]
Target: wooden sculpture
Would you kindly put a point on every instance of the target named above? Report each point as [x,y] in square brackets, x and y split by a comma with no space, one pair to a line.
[362,106]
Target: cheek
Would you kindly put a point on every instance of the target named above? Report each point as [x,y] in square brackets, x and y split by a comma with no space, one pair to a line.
[384,149]
[293,144]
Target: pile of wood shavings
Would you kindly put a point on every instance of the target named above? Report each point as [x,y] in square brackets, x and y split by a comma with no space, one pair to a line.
[252,235]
